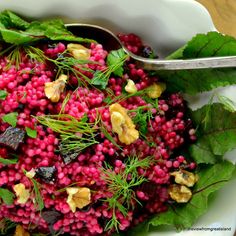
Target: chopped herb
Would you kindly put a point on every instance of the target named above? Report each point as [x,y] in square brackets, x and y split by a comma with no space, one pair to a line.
[7,196]
[10,118]
[8,161]
[141,119]
[3,94]
[31,132]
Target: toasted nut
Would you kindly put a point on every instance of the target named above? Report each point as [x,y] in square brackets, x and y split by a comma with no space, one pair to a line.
[54,89]
[21,193]
[179,193]
[156,89]
[78,197]
[78,51]
[20,231]
[130,87]
[185,177]
[30,174]
[122,124]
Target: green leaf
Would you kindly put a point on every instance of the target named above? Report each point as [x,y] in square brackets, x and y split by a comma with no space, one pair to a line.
[216,134]
[31,132]
[7,196]
[10,118]
[227,103]
[182,216]
[99,79]
[195,81]
[116,58]
[17,37]
[3,94]
[15,30]
[10,19]
[8,161]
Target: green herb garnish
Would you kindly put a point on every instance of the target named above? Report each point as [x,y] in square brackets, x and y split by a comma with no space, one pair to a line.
[76,134]
[3,94]
[121,186]
[10,118]
[7,196]
[16,31]
[8,161]
[31,132]
[115,62]
[39,203]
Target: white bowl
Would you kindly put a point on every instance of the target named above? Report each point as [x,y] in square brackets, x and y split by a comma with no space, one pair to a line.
[165,25]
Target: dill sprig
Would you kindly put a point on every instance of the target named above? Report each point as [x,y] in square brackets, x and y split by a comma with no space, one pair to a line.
[39,203]
[122,185]
[76,134]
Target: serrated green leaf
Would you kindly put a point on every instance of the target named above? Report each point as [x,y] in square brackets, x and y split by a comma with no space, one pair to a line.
[7,196]
[3,94]
[8,161]
[195,81]
[10,20]
[182,216]
[216,136]
[31,132]
[116,59]
[10,118]
[17,31]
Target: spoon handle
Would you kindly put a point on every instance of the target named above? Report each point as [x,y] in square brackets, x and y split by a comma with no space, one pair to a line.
[199,63]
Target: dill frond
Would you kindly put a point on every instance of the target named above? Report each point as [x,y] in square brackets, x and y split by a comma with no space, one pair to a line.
[76,134]
[122,185]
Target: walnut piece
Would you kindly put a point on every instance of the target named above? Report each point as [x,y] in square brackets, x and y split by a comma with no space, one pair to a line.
[156,89]
[130,87]
[78,197]
[20,231]
[122,124]
[54,89]
[179,193]
[78,51]
[185,177]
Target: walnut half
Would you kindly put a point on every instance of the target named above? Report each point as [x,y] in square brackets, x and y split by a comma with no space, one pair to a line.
[185,177]
[122,124]
[179,193]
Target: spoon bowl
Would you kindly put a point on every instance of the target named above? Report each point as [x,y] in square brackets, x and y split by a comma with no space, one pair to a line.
[111,42]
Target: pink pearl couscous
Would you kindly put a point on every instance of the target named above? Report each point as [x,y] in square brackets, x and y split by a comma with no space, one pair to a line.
[168,130]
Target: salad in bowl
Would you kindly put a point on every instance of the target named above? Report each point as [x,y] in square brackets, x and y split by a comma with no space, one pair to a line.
[92,144]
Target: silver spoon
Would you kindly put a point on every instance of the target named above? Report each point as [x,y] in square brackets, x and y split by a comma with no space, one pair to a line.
[111,42]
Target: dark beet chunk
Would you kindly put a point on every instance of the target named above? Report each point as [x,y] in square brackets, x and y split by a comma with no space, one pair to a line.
[51,217]
[68,156]
[12,137]
[47,174]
